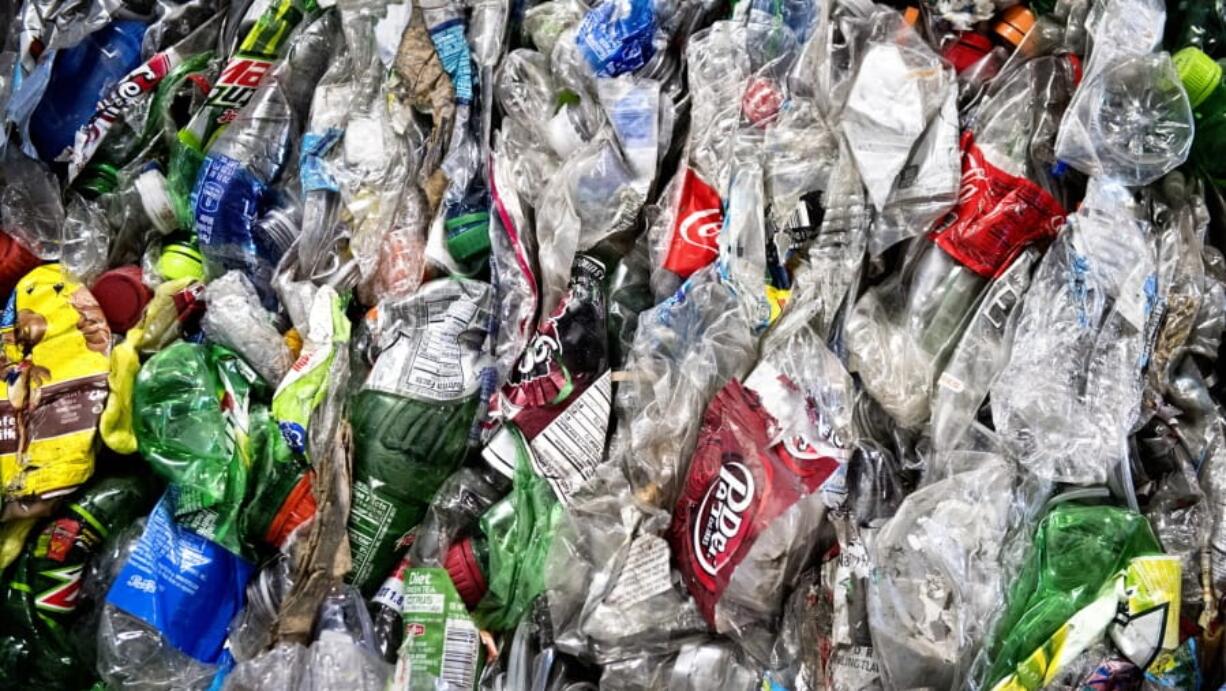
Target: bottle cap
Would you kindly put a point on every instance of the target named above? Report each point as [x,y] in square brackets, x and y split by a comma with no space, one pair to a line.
[180,260]
[1015,22]
[298,507]
[154,199]
[122,296]
[967,50]
[461,564]
[15,261]
[1199,73]
[468,236]
[911,15]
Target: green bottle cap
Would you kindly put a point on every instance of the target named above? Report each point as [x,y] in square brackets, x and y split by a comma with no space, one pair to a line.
[1199,73]
[468,236]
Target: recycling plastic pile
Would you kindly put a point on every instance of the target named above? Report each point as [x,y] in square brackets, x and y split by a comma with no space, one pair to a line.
[645,344]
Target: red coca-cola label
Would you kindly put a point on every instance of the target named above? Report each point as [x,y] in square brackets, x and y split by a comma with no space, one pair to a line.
[997,215]
[739,482]
[695,237]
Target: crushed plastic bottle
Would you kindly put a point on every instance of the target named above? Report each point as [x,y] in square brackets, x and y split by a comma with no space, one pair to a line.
[844,345]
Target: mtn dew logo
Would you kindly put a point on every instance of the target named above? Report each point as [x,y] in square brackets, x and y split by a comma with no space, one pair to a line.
[64,595]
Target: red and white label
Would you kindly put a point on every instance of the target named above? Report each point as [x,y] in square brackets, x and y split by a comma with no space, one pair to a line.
[997,216]
[695,237]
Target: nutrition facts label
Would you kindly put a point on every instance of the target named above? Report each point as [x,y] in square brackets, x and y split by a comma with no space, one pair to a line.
[567,452]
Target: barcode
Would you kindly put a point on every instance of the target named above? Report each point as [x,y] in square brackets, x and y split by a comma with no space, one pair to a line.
[459,654]
[799,217]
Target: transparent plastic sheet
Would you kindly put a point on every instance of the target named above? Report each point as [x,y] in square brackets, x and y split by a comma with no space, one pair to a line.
[927,188]
[971,367]
[900,85]
[236,319]
[590,199]
[937,576]
[669,370]
[1131,121]
[718,68]
[1071,391]
[30,206]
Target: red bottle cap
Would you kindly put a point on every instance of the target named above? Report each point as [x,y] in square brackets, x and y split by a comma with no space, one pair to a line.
[967,50]
[122,296]
[15,261]
[298,507]
[461,564]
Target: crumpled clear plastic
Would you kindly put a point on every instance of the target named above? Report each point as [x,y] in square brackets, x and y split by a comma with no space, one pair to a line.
[685,350]
[718,69]
[1130,121]
[927,188]
[937,575]
[900,85]
[30,206]
[963,383]
[1071,391]
[236,319]
[896,330]
[588,200]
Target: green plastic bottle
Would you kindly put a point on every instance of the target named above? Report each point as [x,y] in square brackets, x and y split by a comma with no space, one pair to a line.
[413,417]
[404,449]
[42,594]
[1076,549]
[1202,78]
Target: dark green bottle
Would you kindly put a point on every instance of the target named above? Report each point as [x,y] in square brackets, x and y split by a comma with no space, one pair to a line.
[42,593]
[404,449]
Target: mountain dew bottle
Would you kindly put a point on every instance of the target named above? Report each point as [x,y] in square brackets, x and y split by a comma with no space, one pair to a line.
[42,591]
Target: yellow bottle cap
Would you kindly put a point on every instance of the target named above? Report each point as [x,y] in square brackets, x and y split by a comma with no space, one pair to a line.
[180,260]
[1199,73]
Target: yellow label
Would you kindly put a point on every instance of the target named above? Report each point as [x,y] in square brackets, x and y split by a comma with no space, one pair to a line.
[55,362]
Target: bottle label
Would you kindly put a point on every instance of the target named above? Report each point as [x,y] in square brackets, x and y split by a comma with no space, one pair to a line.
[997,215]
[181,584]
[430,352]
[370,519]
[741,479]
[441,643]
[391,593]
[696,228]
[647,572]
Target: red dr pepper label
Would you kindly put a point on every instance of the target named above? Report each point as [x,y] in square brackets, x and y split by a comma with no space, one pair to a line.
[738,484]
[695,237]
[997,216]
